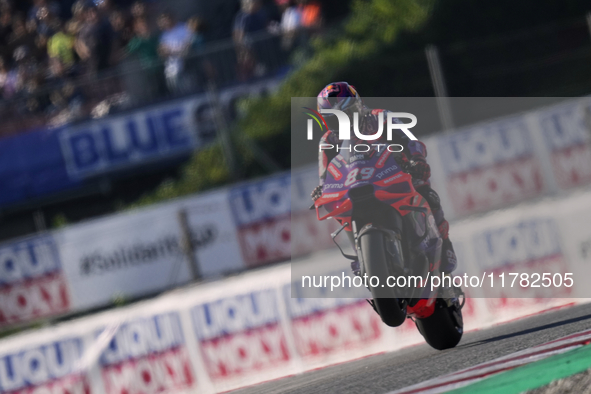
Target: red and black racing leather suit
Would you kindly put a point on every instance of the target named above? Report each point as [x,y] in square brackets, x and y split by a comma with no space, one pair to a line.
[415,152]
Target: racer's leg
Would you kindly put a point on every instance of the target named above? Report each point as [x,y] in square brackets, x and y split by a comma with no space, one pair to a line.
[448,257]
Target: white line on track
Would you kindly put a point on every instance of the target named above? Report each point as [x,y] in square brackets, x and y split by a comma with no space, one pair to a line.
[473,374]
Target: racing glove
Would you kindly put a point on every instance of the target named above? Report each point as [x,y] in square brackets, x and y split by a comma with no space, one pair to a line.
[419,168]
[316,193]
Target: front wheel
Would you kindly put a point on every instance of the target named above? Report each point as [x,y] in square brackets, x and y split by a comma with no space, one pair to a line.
[373,250]
[444,328]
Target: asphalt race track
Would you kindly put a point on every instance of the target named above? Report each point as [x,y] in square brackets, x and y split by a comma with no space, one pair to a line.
[386,372]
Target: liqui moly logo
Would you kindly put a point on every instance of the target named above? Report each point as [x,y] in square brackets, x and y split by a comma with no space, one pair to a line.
[393,122]
[43,369]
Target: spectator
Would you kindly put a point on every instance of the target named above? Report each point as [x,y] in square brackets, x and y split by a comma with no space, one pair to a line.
[20,36]
[138,10]
[6,6]
[196,27]
[39,51]
[143,48]
[122,33]
[36,101]
[199,66]
[94,42]
[42,53]
[5,33]
[47,23]
[104,7]
[311,14]
[52,7]
[65,104]
[3,74]
[57,72]
[246,64]
[13,83]
[61,46]
[144,45]
[77,20]
[26,65]
[5,27]
[174,42]
[291,19]
[250,19]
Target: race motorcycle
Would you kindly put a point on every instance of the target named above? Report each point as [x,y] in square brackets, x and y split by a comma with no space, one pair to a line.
[394,234]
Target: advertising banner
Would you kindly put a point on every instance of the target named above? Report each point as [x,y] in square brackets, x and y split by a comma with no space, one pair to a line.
[490,165]
[31,165]
[241,335]
[308,234]
[324,326]
[262,212]
[127,255]
[219,336]
[139,253]
[50,160]
[531,247]
[32,281]
[121,141]
[147,355]
[566,130]
[48,368]
[575,234]
[151,134]
[274,221]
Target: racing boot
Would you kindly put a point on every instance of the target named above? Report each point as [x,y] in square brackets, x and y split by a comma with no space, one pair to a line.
[449,262]
[453,295]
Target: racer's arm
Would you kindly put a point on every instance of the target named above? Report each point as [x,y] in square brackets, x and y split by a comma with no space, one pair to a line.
[325,156]
[415,152]
[419,168]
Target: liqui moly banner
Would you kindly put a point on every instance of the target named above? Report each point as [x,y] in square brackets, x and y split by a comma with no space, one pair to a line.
[531,246]
[324,327]
[241,334]
[488,166]
[262,212]
[212,338]
[32,281]
[273,219]
[147,355]
[51,367]
[566,131]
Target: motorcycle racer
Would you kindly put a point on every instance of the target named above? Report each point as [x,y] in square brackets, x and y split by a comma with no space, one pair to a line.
[344,97]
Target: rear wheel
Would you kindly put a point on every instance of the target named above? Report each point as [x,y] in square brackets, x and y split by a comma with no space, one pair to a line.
[373,250]
[444,328]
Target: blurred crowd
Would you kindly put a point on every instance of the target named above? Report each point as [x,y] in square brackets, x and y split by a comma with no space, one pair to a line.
[51,52]
[292,20]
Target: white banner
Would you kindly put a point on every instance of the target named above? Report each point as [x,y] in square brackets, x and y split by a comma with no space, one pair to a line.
[139,252]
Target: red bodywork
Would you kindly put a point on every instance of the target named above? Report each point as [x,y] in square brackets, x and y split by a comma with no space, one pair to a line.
[342,207]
